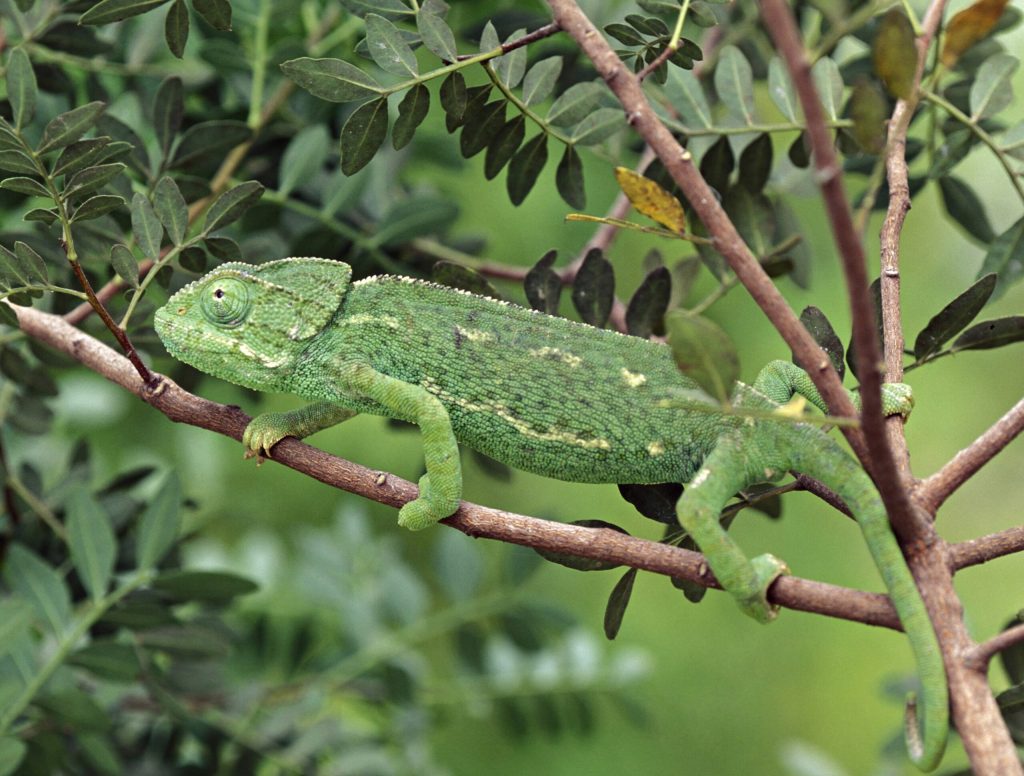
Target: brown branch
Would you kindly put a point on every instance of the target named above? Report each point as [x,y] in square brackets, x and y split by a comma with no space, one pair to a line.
[985,548]
[104,295]
[934,490]
[979,657]
[474,520]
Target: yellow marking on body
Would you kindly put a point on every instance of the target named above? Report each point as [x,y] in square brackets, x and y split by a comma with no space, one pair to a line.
[475,335]
[267,361]
[502,411]
[557,355]
[700,477]
[633,379]
[357,320]
[655,448]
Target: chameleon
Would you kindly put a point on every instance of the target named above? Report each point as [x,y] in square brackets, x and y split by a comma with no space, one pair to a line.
[539,393]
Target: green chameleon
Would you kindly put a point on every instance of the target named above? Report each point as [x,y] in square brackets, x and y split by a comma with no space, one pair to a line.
[539,393]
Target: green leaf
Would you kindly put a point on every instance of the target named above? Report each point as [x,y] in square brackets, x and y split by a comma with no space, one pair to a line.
[115,10]
[176,28]
[869,110]
[481,127]
[992,90]
[734,82]
[756,163]
[388,48]
[617,603]
[686,94]
[954,317]
[216,13]
[991,334]
[780,89]
[331,79]
[205,586]
[580,563]
[43,215]
[22,91]
[504,145]
[717,163]
[540,80]
[68,127]
[22,185]
[966,208]
[187,642]
[124,264]
[598,126]
[489,40]
[703,352]
[223,248]
[16,616]
[232,205]
[655,502]
[168,109]
[362,135]
[12,753]
[453,99]
[37,582]
[413,217]
[828,82]
[576,103]
[593,290]
[170,208]
[1011,142]
[159,524]
[31,264]
[437,35]
[525,166]
[1005,257]
[146,226]
[543,286]
[624,34]
[108,660]
[511,67]
[209,140]
[17,161]
[121,132]
[645,314]
[91,541]
[303,158]
[96,206]
[821,330]
[569,179]
[752,214]
[411,111]
[453,275]
[92,178]
[894,54]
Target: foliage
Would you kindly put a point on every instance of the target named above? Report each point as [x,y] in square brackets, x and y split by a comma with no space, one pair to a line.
[141,143]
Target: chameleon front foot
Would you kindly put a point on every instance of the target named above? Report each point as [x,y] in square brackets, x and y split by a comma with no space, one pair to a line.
[428,508]
[897,399]
[766,569]
[263,433]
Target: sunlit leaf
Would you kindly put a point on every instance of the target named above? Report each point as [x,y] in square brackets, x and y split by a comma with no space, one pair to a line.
[388,48]
[540,80]
[829,84]
[652,200]
[331,79]
[780,89]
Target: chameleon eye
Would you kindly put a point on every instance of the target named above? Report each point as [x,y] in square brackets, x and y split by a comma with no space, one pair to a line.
[226,301]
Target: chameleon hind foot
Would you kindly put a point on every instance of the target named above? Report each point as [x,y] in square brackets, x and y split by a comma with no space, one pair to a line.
[767,568]
[427,509]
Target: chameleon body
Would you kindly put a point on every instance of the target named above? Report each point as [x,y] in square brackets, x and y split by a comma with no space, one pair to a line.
[539,393]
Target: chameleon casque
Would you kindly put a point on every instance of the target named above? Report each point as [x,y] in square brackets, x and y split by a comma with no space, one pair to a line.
[539,393]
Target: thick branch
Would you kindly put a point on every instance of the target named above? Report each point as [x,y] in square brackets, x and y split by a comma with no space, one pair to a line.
[985,548]
[472,519]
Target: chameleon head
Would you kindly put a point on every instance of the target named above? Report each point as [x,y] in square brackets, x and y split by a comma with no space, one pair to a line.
[247,323]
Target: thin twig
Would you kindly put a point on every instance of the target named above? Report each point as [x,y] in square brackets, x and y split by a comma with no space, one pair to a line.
[985,548]
[979,657]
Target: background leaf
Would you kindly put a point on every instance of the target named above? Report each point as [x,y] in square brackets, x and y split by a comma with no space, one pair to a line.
[363,134]
[703,352]
[92,543]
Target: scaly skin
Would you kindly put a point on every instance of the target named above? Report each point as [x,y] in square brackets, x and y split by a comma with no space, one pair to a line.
[539,393]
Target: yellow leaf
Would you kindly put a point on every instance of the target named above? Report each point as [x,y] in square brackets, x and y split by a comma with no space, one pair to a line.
[652,200]
[894,54]
[968,27]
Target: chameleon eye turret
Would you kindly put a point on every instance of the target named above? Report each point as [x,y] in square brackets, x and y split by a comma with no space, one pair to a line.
[226,301]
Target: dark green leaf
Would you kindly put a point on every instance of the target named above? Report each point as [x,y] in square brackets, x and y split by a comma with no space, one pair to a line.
[540,80]
[22,91]
[115,10]
[168,109]
[578,562]
[16,616]
[331,79]
[304,157]
[703,352]
[44,215]
[390,7]
[543,286]
[481,127]
[876,304]
[96,206]
[388,48]
[232,205]
[752,214]
[170,208]
[788,227]
[124,264]
[453,99]
[756,163]
[894,54]
[569,179]
[525,166]
[821,330]
[30,263]
[598,126]
[624,34]
[648,25]
[17,161]
[991,334]
[209,140]
[617,603]
[684,275]
[120,131]
[1005,257]
[74,707]
[951,152]
[146,226]
[140,611]
[22,185]
[437,35]
[91,541]
[12,754]
[188,642]
[966,209]
[453,275]
[504,144]
[800,151]
[593,290]
[92,178]
[176,28]
[216,13]
[717,163]
[223,248]
[363,134]
[193,259]
[159,524]
[954,317]
[108,660]
[205,586]
[492,468]
[646,311]
[869,110]
[655,502]
[576,103]
[37,582]
[411,111]
[1012,657]
[79,155]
